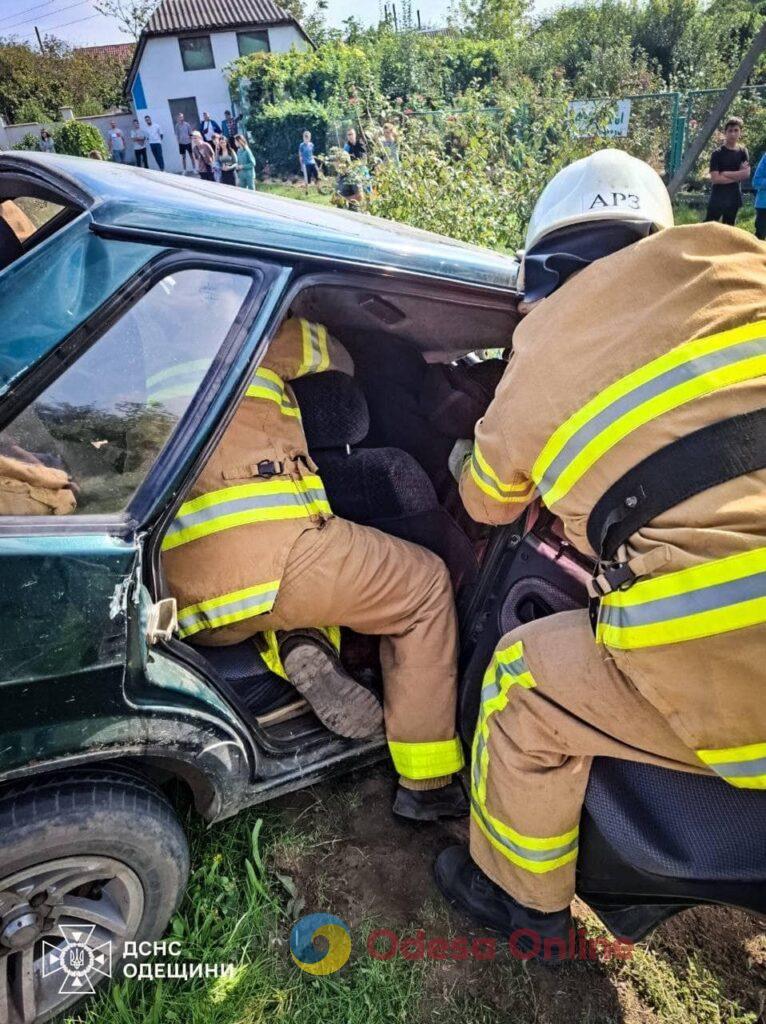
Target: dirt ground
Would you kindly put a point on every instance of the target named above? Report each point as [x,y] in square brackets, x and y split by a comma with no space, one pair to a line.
[368,868]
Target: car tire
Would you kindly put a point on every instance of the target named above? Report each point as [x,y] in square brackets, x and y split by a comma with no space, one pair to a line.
[96,857]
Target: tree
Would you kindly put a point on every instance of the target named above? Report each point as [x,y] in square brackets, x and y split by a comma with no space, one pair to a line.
[131,15]
[490,19]
[34,85]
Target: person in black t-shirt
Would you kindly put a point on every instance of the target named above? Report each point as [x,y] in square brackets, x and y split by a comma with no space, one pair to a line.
[729,167]
[354,146]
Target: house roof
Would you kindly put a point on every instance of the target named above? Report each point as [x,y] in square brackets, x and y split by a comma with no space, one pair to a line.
[189,15]
[122,51]
[175,16]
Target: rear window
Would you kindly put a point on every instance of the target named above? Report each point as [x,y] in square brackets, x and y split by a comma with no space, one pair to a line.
[25,221]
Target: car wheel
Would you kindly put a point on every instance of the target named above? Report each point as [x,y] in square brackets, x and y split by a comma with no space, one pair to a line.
[88,861]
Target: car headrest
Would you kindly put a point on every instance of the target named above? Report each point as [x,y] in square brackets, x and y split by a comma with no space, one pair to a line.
[333,409]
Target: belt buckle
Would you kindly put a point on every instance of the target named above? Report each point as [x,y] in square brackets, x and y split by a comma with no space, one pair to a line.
[617,576]
[268,468]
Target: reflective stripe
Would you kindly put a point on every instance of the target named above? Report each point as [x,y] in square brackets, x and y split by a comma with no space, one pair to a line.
[228,608]
[537,854]
[687,372]
[743,767]
[316,355]
[269,386]
[508,668]
[487,480]
[180,381]
[719,596]
[427,760]
[270,651]
[261,501]
[532,853]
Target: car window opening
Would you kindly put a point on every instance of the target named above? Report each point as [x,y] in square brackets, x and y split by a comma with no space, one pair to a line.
[425,368]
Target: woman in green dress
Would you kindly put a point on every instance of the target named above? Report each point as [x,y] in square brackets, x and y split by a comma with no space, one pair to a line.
[245,163]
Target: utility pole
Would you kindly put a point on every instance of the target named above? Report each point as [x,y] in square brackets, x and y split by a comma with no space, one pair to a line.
[39,39]
[715,116]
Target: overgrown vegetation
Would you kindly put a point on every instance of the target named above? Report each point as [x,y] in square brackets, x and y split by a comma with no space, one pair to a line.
[482,113]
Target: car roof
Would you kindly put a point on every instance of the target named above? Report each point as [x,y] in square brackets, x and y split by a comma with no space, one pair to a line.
[172,207]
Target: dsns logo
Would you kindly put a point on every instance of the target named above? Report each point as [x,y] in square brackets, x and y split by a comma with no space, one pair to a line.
[320,957]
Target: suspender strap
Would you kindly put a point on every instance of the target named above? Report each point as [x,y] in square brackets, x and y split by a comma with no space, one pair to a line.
[688,466]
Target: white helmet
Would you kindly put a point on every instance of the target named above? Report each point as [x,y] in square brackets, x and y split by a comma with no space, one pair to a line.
[607,185]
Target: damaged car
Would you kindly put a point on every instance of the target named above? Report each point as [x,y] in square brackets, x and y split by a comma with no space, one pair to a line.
[109,709]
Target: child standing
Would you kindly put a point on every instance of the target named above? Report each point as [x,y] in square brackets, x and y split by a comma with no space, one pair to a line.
[308,161]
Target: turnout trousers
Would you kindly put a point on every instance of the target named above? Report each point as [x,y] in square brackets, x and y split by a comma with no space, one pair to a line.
[552,700]
[355,576]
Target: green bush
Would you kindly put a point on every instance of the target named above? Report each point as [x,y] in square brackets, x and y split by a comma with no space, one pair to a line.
[29,141]
[78,139]
[276,132]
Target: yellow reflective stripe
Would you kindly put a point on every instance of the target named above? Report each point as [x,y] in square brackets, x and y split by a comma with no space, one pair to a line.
[537,854]
[191,366]
[227,608]
[427,760]
[743,767]
[261,501]
[715,597]
[316,354]
[513,852]
[270,387]
[270,652]
[487,480]
[179,381]
[699,382]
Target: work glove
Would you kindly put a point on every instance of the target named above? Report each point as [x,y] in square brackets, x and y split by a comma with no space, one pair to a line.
[460,452]
[32,489]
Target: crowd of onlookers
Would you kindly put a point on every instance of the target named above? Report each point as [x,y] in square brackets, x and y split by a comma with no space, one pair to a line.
[221,152]
[216,152]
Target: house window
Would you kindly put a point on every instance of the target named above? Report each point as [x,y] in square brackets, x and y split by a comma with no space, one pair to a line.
[196,53]
[252,42]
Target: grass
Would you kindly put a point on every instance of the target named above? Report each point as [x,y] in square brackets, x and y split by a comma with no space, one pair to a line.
[289,191]
[249,881]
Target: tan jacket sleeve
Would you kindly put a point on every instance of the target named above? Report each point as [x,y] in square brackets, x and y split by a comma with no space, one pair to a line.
[494,484]
[31,489]
[302,347]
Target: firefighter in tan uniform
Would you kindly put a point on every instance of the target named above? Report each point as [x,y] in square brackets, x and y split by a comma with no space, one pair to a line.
[635,352]
[255,549]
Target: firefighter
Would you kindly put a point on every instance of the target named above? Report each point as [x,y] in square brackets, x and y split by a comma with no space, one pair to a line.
[632,407]
[255,549]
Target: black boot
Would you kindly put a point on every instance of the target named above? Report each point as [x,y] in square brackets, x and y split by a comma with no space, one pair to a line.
[340,703]
[448,801]
[467,888]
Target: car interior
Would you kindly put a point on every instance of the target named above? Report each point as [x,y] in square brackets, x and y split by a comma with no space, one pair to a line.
[29,213]
[426,364]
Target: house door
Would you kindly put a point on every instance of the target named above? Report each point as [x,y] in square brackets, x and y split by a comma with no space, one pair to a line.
[186,106]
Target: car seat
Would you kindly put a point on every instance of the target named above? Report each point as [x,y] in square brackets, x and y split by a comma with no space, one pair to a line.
[654,841]
[381,487]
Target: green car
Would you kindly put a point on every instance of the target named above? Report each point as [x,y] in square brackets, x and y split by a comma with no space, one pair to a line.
[103,705]
[135,307]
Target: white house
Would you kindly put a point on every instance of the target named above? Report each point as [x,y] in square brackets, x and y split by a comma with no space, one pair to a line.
[178,65]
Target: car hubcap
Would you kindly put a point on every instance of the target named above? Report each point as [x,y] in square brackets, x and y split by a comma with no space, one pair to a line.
[62,923]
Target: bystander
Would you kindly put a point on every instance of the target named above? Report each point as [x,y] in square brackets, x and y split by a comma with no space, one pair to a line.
[729,167]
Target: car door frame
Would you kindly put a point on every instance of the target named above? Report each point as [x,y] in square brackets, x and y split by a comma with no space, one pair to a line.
[191,726]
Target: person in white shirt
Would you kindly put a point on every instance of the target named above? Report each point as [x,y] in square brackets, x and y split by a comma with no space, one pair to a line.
[116,143]
[154,137]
